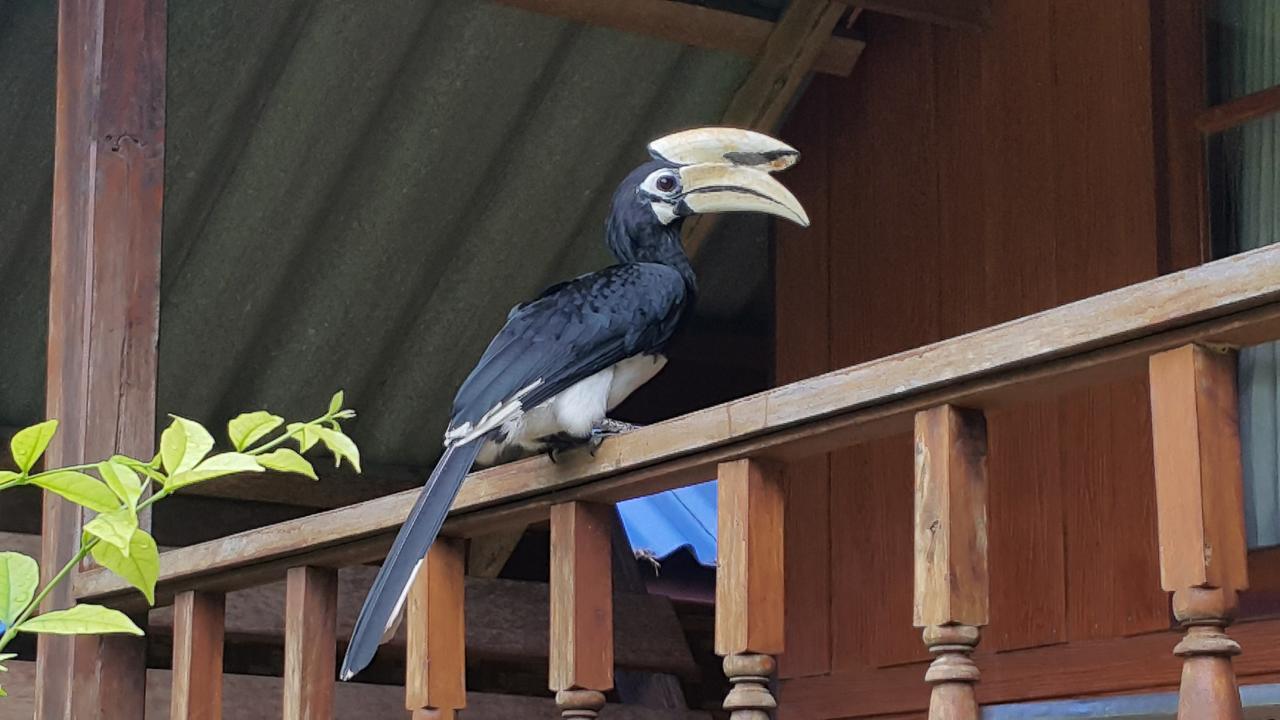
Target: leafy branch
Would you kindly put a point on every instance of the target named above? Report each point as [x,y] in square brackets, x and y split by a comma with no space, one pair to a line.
[118,488]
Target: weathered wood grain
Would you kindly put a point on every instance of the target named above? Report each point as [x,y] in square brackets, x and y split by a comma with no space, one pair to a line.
[581,597]
[749,568]
[198,620]
[692,25]
[1231,301]
[104,302]
[310,645]
[436,660]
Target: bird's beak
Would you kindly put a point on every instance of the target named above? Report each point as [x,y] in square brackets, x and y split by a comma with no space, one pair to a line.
[720,187]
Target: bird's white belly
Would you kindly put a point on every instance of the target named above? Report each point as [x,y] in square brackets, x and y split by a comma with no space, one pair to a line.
[574,411]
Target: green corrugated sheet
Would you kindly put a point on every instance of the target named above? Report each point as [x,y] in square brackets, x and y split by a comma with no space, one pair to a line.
[357,192]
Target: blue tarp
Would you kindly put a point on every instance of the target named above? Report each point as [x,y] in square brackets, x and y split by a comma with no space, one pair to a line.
[670,521]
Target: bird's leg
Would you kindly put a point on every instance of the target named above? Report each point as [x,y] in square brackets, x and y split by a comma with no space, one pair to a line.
[560,443]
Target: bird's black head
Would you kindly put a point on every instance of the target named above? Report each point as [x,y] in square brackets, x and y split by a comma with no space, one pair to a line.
[704,170]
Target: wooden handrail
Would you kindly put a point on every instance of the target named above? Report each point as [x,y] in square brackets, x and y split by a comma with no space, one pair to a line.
[1234,301]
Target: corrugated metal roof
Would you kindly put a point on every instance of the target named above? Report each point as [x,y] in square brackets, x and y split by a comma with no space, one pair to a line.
[681,519]
[358,192]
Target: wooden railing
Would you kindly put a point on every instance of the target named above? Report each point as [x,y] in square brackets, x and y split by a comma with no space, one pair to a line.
[1179,328]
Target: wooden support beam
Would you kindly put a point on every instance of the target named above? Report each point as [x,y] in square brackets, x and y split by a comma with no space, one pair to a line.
[689,24]
[1239,111]
[966,14]
[789,56]
[1233,301]
[749,583]
[103,305]
[581,607]
[310,645]
[952,592]
[1200,508]
[198,628]
[436,661]
[488,554]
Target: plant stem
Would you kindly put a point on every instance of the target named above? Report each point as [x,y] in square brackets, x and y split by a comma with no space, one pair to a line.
[44,592]
[287,434]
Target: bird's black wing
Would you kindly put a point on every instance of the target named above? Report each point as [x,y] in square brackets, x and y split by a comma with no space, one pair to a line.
[572,331]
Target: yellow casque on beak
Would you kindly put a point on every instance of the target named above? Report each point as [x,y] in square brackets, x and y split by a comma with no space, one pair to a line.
[717,187]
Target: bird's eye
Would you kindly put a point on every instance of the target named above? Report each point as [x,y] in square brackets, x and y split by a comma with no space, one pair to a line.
[666,183]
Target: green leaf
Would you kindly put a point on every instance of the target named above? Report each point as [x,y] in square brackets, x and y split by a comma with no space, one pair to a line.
[248,428]
[122,481]
[30,443]
[286,460]
[116,527]
[306,435]
[335,403]
[79,488]
[81,620]
[149,469]
[19,578]
[216,466]
[8,475]
[139,568]
[7,656]
[342,447]
[183,445]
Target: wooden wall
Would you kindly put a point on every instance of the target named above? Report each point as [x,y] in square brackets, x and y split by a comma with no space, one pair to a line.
[959,180]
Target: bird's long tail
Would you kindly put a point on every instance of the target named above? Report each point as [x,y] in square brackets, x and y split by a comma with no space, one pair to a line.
[386,597]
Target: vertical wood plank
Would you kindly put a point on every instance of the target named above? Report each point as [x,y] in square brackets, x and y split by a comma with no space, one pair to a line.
[1019,200]
[198,629]
[1199,490]
[885,119]
[310,643]
[802,349]
[951,585]
[436,667]
[581,606]
[1178,53]
[103,304]
[749,582]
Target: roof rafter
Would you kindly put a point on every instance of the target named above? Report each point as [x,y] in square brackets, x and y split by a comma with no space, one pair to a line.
[789,56]
[691,25]
[968,14]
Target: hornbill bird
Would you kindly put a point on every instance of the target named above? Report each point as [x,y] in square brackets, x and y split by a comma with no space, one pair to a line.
[566,358]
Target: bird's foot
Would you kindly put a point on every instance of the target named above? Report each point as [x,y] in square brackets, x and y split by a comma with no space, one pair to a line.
[607,427]
[560,443]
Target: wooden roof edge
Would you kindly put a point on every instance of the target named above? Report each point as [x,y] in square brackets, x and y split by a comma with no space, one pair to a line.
[690,25]
[1234,301]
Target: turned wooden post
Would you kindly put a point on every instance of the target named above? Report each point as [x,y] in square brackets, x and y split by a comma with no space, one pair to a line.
[951,583]
[749,583]
[1200,508]
[581,607]
[436,657]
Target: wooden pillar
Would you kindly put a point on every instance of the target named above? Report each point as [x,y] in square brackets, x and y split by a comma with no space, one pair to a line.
[310,643]
[951,583]
[436,662]
[103,306]
[581,607]
[198,629]
[1200,508]
[749,583]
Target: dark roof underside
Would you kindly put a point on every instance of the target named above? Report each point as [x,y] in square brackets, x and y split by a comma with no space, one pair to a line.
[358,192]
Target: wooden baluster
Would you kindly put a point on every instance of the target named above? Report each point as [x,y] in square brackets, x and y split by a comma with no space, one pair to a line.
[310,642]
[581,607]
[198,627]
[749,583]
[951,584]
[436,662]
[1200,508]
